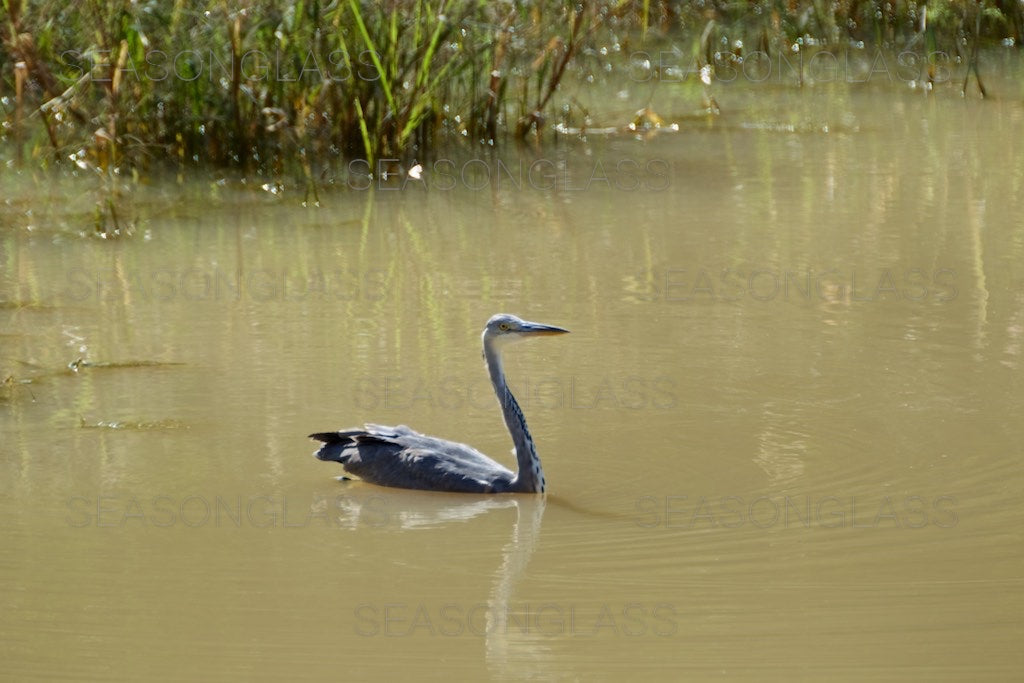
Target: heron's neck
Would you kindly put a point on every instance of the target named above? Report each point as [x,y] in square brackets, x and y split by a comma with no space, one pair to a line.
[530,476]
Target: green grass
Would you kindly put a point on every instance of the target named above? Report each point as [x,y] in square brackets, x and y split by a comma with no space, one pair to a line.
[271,86]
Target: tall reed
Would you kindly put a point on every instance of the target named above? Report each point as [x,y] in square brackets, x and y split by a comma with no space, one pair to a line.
[265,85]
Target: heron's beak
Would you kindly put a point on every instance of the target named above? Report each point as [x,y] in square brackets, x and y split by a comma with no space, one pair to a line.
[540,330]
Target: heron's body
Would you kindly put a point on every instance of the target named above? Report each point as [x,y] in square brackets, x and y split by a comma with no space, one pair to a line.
[401,457]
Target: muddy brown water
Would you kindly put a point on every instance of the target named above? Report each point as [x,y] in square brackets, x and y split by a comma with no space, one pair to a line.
[782,441]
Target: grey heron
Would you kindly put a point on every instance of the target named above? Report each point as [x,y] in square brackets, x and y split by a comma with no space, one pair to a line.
[401,457]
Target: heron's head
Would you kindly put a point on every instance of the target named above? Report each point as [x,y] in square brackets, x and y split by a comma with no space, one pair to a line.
[504,328]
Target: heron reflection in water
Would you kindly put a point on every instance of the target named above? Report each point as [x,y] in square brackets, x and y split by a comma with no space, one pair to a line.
[401,457]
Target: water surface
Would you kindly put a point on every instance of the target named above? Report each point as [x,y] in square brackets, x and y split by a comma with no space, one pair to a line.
[782,440]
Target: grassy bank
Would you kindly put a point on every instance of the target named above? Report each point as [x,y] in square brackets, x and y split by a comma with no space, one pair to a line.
[268,85]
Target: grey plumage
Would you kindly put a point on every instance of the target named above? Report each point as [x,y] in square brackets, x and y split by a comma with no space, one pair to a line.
[398,456]
[401,457]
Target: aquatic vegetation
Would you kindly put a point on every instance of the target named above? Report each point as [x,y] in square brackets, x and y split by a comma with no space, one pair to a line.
[10,383]
[132,425]
[15,305]
[307,86]
[79,363]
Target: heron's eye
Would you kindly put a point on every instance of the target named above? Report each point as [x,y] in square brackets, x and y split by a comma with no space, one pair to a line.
[503,327]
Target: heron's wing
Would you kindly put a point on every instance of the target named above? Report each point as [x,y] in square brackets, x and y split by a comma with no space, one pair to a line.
[399,456]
